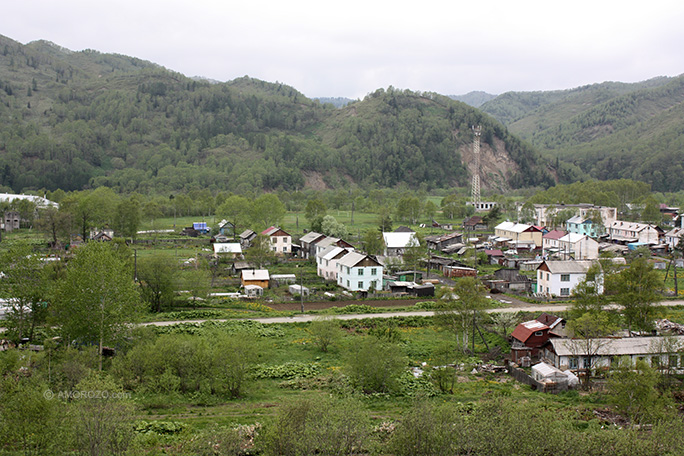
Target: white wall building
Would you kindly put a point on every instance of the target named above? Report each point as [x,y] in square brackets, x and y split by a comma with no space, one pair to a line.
[627,232]
[359,272]
[578,246]
[281,241]
[559,278]
[655,351]
[328,260]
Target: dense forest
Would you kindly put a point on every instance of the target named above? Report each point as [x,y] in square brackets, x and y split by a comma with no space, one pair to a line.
[79,120]
[604,131]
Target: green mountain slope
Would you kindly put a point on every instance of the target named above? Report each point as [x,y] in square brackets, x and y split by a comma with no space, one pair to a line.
[604,131]
[85,119]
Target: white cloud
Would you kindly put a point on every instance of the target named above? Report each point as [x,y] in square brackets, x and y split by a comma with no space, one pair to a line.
[355,47]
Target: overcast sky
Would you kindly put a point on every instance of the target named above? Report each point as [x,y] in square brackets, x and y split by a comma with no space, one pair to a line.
[351,48]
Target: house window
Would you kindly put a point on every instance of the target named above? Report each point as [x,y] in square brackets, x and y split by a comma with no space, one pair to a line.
[586,362]
[360,284]
[565,291]
[374,271]
[572,362]
[565,277]
[347,283]
[361,271]
[672,360]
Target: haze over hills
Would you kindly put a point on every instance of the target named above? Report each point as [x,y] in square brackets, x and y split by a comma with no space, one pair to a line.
[604,131]
[86,119]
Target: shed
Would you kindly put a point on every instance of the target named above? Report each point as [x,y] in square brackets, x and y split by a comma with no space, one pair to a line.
[546,373]
[258,277]
[298,290]
[253,291]
[282,279]
[459,271]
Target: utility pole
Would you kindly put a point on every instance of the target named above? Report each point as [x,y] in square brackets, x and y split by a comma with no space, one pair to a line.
[301,289]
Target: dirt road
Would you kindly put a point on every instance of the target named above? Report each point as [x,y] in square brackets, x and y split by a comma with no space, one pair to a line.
[517,306]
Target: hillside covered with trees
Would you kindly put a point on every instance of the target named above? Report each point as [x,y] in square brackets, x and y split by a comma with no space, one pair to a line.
[79,120]
[604,131]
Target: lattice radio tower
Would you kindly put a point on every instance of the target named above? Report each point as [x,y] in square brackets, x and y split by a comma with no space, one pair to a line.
[475,186]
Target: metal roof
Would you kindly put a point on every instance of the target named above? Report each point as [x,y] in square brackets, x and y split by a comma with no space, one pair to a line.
[620,347]
[227,247]
[568,267]
[395,240]
[255,274]
[353,258]
[310,237]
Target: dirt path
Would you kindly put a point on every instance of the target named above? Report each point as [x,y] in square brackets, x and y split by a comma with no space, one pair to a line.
[519,306]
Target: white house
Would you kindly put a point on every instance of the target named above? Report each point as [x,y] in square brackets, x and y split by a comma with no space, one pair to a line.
[281,241]
[559,278]
[514,233]
[578,246]
[656,351]
[672,237]
[626,232]
[551,241]
[359,272]
[327,261]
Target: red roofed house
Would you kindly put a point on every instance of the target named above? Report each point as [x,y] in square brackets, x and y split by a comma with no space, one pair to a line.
[528,337]
[551,241]
[281,242]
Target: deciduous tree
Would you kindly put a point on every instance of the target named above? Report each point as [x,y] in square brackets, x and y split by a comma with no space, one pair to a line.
[97,298]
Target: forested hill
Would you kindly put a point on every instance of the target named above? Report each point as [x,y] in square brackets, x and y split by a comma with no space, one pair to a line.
[73,120]
[604,131]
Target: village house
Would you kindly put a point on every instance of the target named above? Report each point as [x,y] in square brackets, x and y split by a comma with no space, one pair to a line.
[226,228]
[584,226]
[514,234]
[359,272]
[328,241]
[328,260]
[530,336]
[509,280]
[495,256]
[12,221]
[442,242]
[630,232]
[574,354]
[559,278]
[578,246]
[246,238]
[281,241]
[474,223]
[259,277]
[551,243]
[105,234]
[308,243]
[672,237]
